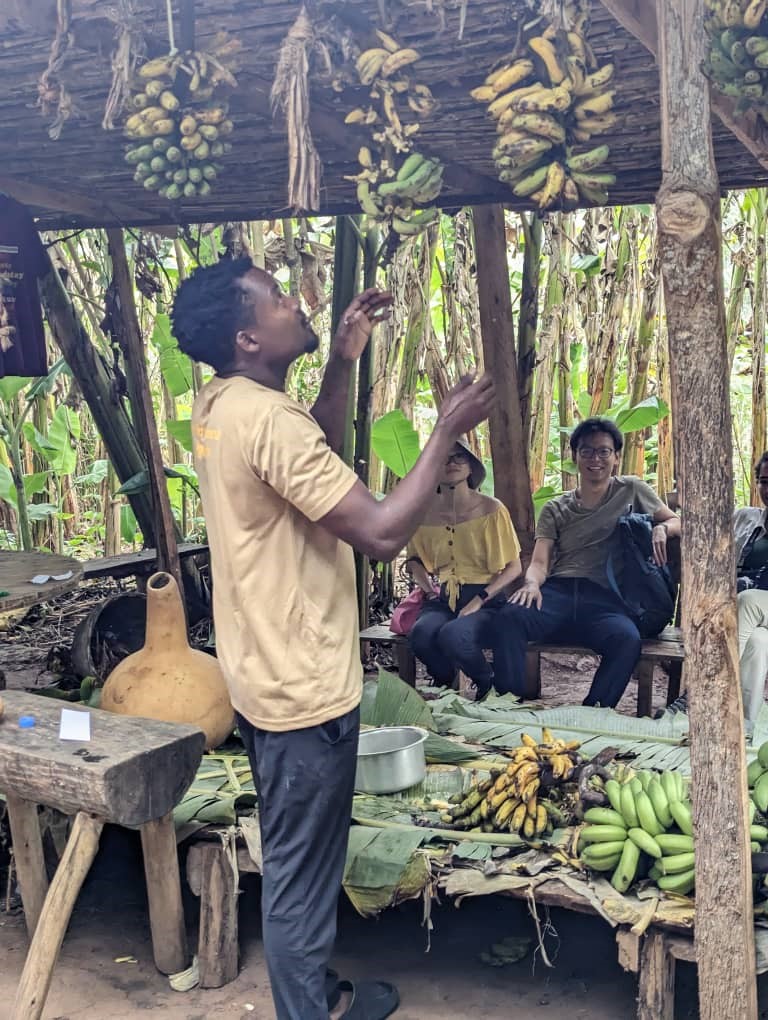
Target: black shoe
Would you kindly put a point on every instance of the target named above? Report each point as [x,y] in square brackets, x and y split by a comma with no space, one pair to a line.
[679,705]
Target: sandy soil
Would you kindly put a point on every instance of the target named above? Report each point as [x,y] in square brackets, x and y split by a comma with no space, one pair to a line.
[446,981]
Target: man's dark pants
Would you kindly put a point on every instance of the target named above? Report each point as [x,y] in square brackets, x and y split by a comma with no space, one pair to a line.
[305,781]
[573,611]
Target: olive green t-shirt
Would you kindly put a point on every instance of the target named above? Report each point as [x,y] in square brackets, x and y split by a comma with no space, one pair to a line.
[585,537]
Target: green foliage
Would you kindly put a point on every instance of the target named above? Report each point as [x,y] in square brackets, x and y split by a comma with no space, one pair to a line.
[395,442]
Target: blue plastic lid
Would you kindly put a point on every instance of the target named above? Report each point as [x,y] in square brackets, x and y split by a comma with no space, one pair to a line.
[26,721]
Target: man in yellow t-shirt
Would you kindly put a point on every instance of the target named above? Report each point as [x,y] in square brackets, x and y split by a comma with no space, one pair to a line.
[283,511]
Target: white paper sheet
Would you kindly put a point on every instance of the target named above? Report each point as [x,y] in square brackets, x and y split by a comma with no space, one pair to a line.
[74,725]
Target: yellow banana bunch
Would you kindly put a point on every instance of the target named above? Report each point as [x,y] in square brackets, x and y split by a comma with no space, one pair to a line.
[179,126]
[397,185]
[545,100]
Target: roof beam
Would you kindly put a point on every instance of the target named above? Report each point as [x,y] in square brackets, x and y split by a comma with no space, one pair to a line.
[638,17]
[44,197]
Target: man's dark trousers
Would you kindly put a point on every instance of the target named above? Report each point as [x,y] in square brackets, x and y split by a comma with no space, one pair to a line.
[573,611]
[305,781]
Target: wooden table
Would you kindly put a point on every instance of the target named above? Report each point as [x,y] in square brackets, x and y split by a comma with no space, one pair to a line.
[132,772]
[17,570]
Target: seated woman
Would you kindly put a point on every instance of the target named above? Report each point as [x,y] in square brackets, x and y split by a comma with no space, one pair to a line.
[468,543]
[749,525]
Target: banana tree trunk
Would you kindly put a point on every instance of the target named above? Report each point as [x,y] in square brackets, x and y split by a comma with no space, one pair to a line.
[528,320]
[549,349]
[758,345]
[346,280]
[633,459]
[606,350]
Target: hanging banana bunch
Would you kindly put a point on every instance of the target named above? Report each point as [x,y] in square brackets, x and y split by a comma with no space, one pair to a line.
[737,62]
[397,185]
[549,101]
[180,123]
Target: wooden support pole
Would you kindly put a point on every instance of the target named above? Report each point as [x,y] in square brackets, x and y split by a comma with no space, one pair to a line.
[28,857]
[132,344]
[75,864]
[690,244]
[656,994]
[509,447]
[217,952]
[166,913]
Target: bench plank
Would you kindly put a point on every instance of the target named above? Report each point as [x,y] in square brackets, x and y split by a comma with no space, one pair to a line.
[128,564]
[107,776]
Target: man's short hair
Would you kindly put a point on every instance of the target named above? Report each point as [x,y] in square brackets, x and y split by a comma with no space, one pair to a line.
[208,311]
[759,465]
[590,426]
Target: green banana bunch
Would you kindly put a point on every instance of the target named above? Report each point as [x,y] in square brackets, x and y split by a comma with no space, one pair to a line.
[737,59]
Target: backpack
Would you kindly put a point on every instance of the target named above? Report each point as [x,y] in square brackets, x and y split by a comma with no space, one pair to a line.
[646,589]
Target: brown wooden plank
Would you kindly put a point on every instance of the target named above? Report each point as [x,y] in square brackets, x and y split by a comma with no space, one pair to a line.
[17,570]
[128,564]
[690,245]
[217,951]
[28,858]
[656,994]
[75,864]
[130,772]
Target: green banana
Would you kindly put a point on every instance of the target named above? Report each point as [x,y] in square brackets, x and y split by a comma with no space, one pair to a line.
[681,812]
[597,180]
[613,793]
[760,793]
[655,872]
[751,810]
[681,884]
[602,863]
[645,842]
[677,863]
[599,851]
[723,67]
[669,785]
[660,803]
[759,833]
[727,39]
[635,785]
[762,754]
[410,166]
[643,776]
[603,834]
[532,181]
[646,815]
[586,161]
[366,199]
[626,869]
[739,55]
[756,44]
[604,816]
[671,843]
[755,848]
[628,809]
[754,771]
[761,60]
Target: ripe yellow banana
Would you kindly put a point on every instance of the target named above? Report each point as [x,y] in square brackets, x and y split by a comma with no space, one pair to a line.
[507,100]
[529,828]
[546,52]
[509,74]
[505,812]
[390,44]
[395,61]
[541,817]
[556,100]
[551,194]
[594,106]
[530,790]
[370,62]
[594,126]
[518,818]
[600,78]
[753,15]
[542,124]
[483,94]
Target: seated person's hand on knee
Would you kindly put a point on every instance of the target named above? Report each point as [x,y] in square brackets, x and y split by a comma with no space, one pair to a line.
[472,606]
[529,594]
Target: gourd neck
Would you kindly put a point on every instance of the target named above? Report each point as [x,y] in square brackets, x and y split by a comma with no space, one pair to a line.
[166,620]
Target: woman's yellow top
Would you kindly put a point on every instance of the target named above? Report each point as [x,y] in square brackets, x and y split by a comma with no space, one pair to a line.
[471,552]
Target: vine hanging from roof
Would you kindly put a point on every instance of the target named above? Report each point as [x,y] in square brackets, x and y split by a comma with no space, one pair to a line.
[549,100]
[52,93]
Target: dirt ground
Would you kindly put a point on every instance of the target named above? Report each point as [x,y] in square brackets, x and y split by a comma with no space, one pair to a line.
[447,980]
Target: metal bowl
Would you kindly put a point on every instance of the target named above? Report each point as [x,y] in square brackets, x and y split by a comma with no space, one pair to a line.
[390,759]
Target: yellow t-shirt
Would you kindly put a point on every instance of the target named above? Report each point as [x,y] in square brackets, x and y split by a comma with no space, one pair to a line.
[471,552]
[284,603]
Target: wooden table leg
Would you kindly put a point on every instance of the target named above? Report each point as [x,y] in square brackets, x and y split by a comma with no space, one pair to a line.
[75,863]
[406,663]
[644,675]
[28,857]
[675,672]
[656,997]
[166,913]
[217,950]
[532,689]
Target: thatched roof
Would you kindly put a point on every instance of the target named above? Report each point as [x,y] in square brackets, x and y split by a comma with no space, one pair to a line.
[89,184]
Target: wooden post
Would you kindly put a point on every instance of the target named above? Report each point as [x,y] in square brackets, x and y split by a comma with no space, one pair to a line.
[75,864]
[132,345]
[690,244]
[509,448]
[217,948]
[656,994]
[166,913]
[28,857]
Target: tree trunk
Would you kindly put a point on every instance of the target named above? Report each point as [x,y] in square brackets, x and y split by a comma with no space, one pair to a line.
[632,462]
[508,442]
[100,389]
[528,320]
[346,277]
[758,346]
[691,250]
[549,349]
[605,353]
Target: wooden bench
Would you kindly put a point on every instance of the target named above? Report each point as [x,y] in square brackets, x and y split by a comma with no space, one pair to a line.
[667,647]
[131,564]
[131,772]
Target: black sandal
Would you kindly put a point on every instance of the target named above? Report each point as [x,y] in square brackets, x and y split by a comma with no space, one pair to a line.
[371,1000]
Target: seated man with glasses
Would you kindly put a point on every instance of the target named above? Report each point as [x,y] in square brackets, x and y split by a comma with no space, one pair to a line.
[565,596]
[749,525]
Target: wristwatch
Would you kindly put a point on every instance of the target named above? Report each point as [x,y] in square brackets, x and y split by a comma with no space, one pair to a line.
[483,595]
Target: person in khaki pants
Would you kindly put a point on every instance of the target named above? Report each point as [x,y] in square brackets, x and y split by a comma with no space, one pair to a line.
[751,534]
